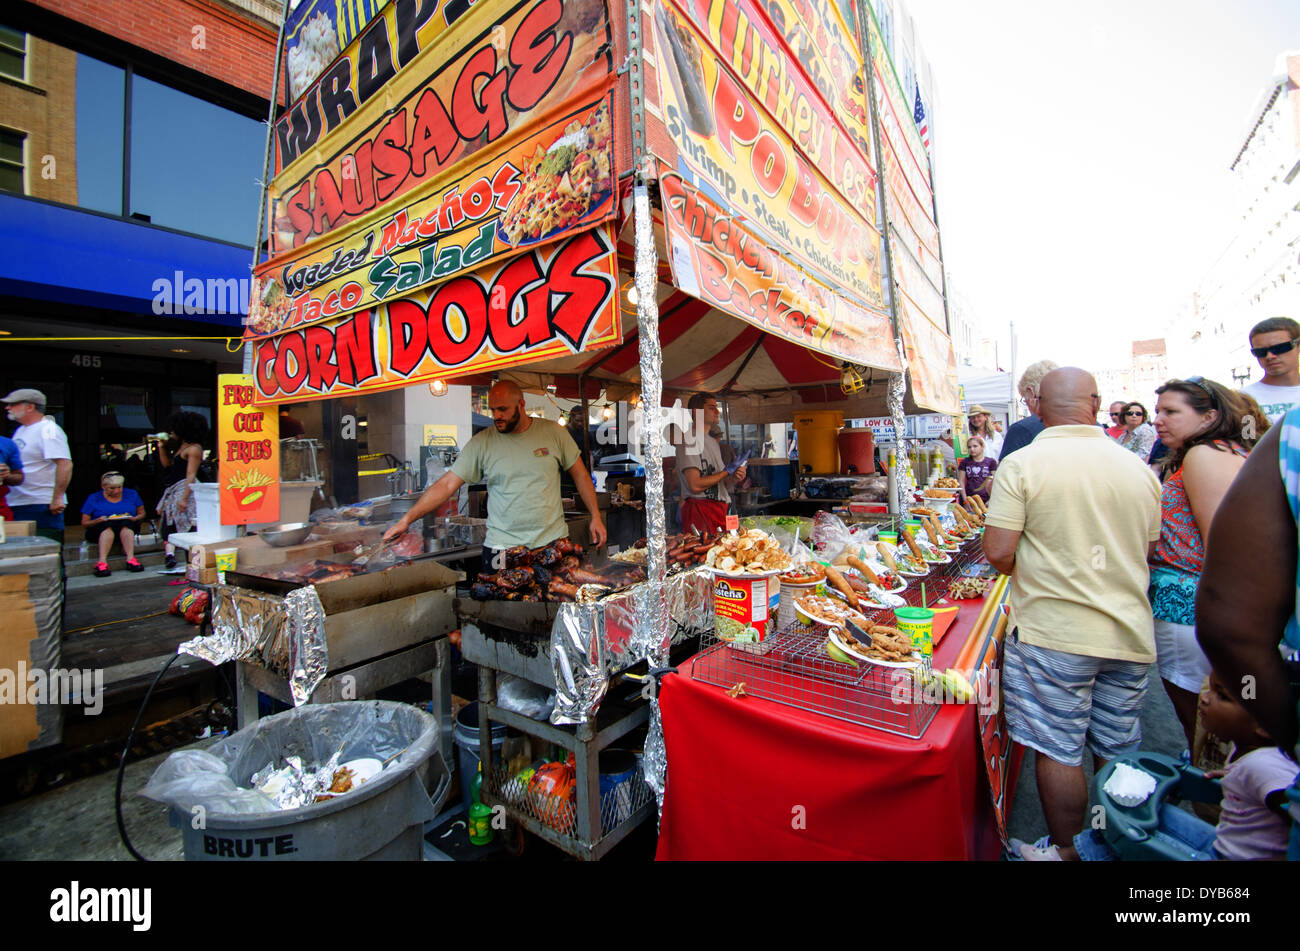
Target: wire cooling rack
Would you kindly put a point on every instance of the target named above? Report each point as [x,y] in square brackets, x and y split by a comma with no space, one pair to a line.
[794,669]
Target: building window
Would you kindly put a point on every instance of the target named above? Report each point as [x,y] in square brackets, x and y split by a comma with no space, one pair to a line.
[101,127]
[11,161]
[13,53]
[173,134]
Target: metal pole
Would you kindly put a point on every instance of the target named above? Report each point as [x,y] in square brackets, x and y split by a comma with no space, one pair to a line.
[897,389]
[266,162]
[647,306]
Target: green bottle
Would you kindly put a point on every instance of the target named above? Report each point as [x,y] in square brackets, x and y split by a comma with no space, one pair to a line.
[479,815]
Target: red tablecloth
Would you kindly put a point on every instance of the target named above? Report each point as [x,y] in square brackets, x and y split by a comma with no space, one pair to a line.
[753,779]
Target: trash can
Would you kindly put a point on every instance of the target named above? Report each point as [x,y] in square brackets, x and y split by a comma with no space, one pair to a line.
[383,819]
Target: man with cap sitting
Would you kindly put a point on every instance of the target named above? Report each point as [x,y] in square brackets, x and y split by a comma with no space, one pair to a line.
[47,464]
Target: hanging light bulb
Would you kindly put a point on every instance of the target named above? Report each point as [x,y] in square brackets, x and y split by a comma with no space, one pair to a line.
[438,387]
[851,380]
[607,412]
[632,297]
[563,420]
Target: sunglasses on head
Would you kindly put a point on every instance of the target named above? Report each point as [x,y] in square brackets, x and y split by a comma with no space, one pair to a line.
[1277,349]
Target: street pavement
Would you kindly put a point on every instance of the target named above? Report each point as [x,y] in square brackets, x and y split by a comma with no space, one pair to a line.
[1161,733]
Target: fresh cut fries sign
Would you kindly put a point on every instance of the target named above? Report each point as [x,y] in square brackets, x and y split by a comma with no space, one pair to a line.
[248,447]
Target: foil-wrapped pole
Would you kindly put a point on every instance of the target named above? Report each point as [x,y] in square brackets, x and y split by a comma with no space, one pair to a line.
[655,608]
[904,480]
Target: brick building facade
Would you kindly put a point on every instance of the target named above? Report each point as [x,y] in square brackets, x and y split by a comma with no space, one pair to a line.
[140,129]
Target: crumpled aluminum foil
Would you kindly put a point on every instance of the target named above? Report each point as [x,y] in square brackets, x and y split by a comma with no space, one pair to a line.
[284,635]
[293,786]
[308,654]
[904,480]
[592,642]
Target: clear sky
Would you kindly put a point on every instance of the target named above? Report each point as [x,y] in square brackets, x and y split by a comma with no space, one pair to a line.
[1082,154]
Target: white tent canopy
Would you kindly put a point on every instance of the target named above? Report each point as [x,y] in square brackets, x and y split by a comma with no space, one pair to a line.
[990,389]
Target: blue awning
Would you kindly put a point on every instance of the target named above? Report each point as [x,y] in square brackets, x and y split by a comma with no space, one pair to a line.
[55,253]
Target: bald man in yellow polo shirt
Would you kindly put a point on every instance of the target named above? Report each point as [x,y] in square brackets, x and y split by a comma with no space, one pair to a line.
[1073,519]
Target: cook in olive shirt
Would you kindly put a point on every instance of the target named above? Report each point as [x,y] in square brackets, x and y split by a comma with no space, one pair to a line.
[519,459]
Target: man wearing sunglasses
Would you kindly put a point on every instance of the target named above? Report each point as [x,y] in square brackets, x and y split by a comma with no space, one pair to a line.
[1275,343]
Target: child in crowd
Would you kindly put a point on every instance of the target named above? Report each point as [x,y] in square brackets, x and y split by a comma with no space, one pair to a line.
[1254,823]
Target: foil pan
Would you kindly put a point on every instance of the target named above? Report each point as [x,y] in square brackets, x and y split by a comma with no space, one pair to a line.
[285,635]
[592,642]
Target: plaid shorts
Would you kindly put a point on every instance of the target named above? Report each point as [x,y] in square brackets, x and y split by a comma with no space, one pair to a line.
[1058,703]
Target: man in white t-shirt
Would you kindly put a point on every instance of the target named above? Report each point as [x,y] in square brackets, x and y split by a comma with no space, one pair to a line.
[47,464]
[706,478]
[1275,343]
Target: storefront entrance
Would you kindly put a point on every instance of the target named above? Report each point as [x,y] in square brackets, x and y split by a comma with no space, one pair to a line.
[108,404]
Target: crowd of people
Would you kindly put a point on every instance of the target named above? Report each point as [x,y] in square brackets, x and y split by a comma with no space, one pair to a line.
[1134,548]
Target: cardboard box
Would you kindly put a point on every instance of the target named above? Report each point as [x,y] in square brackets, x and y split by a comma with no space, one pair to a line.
[259,554]
[201,575]
[203,555]
[19,529]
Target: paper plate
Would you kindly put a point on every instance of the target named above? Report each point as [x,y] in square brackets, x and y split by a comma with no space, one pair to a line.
[839,642]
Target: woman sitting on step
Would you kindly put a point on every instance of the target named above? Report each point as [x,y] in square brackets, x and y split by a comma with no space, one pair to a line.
[113,512]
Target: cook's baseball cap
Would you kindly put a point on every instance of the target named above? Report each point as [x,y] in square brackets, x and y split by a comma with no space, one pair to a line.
[26,396]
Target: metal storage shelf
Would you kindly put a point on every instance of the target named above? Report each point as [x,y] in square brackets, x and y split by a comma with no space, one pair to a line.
[590,828]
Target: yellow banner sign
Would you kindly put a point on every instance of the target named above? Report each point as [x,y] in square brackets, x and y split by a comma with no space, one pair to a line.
[745,40]
[545,185]
[931,361]
[552,301]
[491,75]
[827,49]
[915,229]
[896,123]
[737,151]
[248,453]
[716,258]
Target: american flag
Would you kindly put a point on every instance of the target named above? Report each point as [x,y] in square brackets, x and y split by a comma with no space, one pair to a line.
[919,115]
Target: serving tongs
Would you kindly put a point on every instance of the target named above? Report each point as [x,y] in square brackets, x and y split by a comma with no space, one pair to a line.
[372,551]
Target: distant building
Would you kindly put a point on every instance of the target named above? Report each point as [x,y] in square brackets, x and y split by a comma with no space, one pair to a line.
[1258,274]
[1148,368]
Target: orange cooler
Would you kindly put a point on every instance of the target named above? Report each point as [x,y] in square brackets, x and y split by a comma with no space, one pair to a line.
[857,449]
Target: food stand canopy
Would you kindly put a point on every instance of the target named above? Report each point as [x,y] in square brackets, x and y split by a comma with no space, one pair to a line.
[412,236]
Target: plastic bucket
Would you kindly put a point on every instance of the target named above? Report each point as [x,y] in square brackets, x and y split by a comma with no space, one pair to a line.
[617,774]
[743,607]
[818,453]
[384,819]
[465,736]
[774,474]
